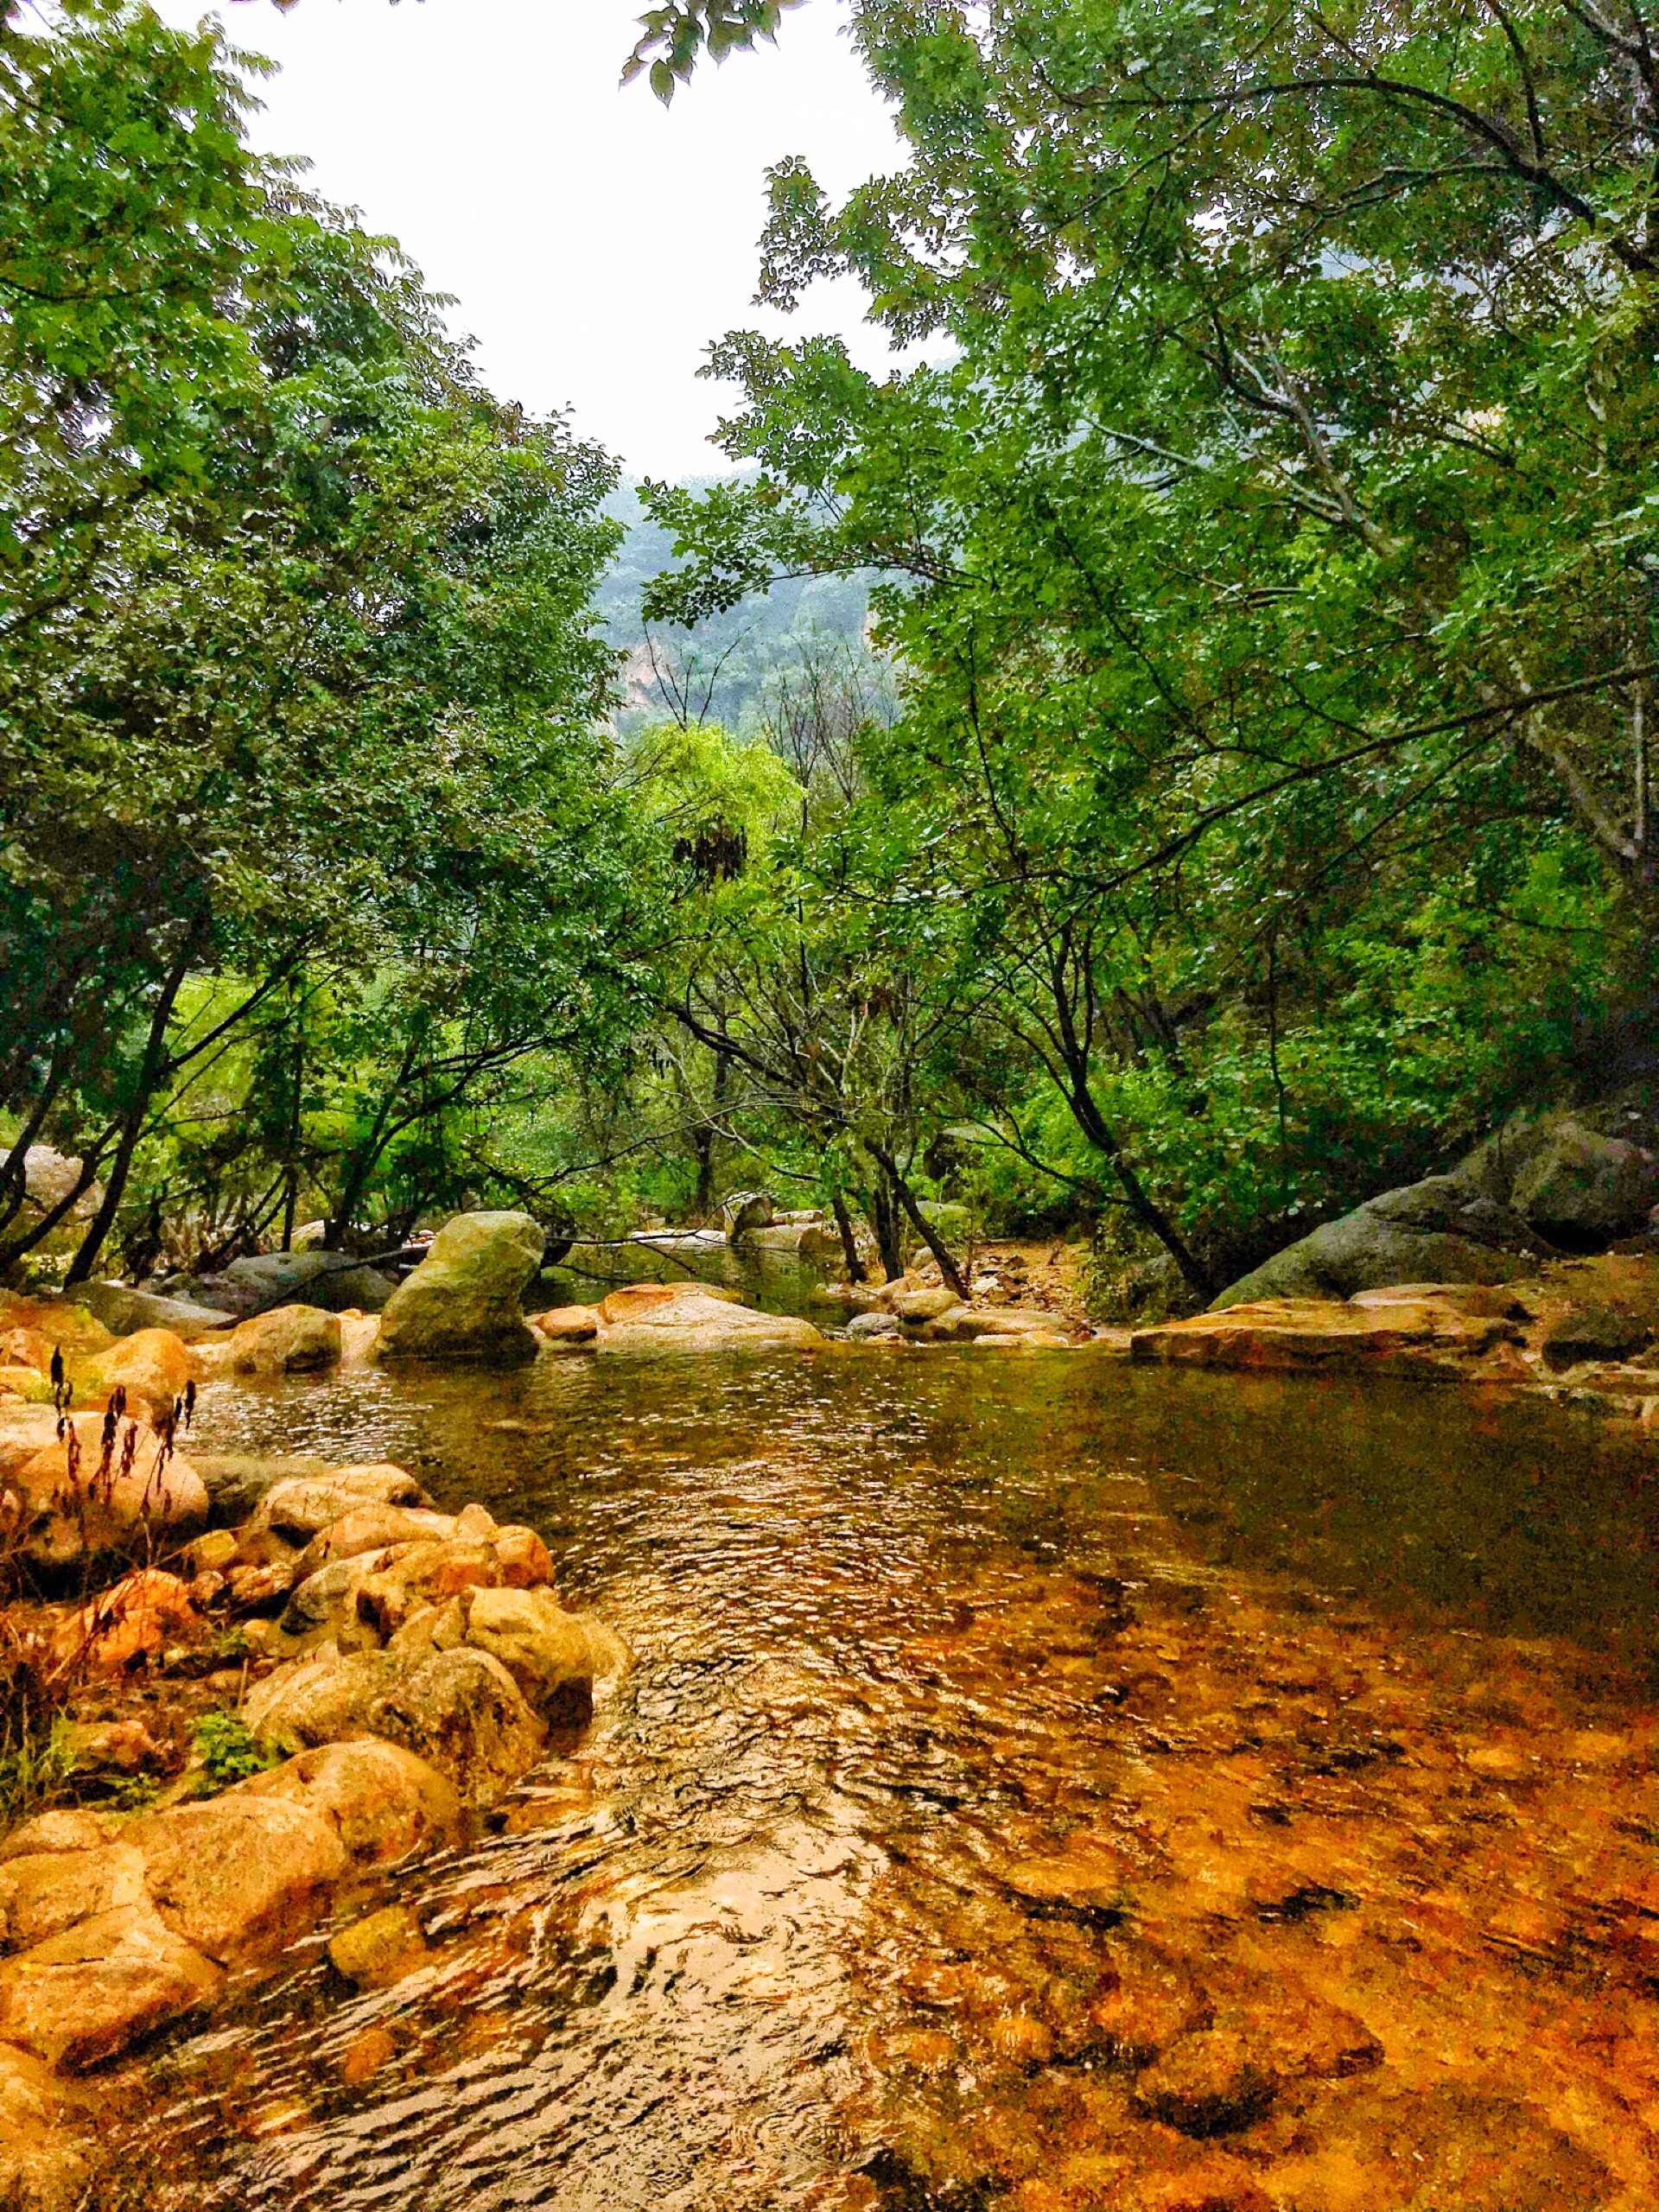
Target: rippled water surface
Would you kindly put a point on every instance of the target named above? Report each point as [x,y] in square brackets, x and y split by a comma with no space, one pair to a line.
[1042,1783]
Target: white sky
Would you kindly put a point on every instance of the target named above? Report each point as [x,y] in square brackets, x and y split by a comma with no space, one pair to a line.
[595,241]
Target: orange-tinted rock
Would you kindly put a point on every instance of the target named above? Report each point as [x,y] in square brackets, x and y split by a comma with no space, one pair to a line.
[87,1993]
[383,1802]
[288,1340]
[523,1558]
[569,1324]
[1328,1335]
[240,1877]
[152,1367]
[42,1895]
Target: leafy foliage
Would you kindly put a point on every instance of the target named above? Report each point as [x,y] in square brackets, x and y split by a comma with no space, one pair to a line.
[1270,557]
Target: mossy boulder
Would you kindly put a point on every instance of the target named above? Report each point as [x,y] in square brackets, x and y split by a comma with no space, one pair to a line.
[464,1302]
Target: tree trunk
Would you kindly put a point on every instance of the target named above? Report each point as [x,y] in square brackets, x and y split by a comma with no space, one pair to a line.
[848,1242]
[150,1076]
[951,1272]
[884,1219]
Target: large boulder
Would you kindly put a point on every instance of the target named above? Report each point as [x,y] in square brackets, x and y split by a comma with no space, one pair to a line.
[333,1281]
[143,1493]
[327,1699]
[458,1710]
[239,1877]
[462,1711]
[384,1803]
[123,1309]
[548,1652]
[465,1300]
[152,1367]
[85,1995]
[697,1322]
[290,1340]
[300,1506]
[1446,1229]
[1581,1190]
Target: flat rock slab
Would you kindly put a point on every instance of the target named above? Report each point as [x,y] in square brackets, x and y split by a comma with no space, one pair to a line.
[125,1311]
[1421,1337]
[696,1321]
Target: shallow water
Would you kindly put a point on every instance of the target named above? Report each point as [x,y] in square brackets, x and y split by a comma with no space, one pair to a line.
[999,1726]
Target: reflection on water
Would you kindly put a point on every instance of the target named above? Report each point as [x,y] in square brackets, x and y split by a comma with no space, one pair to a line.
[1044,1783]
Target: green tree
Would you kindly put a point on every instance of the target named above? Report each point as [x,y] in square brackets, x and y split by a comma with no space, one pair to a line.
[1270,557]
[298,687]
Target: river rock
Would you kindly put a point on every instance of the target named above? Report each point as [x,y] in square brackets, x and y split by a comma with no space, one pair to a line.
[290,1340]
[381,1949]
[465,1299]
[384,1803]
[239,1877]
[89,1992]
[122,1309]
[322,1606]
[1598,1333]
[237,1482]
[152,1366]
[1420,1339]
[696,1321]
[1444,1228]
[1581,1190]
[425,1574]
[546,1651]
[47,2153]
[522,1557]
[429,1629]
[66,1827]
[330,1280]
[569,1324]
[463,1713]
[298,1507]
[95,1513]
[375,1529]
[326,1699]
[913,1308]
[47,1892]
[864,1327]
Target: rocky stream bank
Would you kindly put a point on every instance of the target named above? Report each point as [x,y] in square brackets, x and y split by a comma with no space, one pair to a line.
[277,1682]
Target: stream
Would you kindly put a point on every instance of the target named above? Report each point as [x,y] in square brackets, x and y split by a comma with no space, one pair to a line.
[1044,1783]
